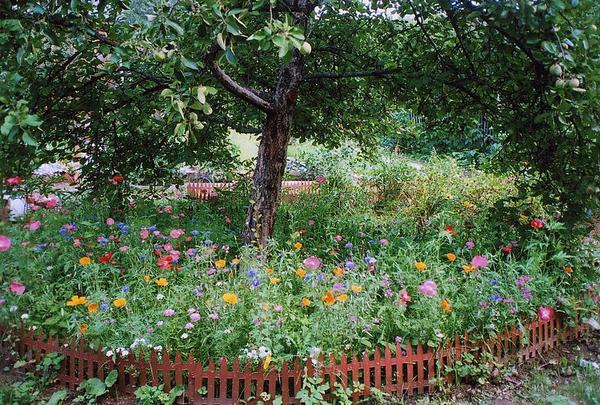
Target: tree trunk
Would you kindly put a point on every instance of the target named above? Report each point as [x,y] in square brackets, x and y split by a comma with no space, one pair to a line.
[272,153]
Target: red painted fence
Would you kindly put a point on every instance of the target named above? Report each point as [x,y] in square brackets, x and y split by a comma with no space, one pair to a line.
[402,370]
[209,191]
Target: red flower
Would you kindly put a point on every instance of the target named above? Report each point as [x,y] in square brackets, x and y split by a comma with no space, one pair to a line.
[13,181]
[450,230]
[537,223]
[545,313]
[105,258]
[116,179]
[507,249]
[164,262]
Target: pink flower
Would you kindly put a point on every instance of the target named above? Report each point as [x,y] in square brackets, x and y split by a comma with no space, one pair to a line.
[51,203]
[338,238]
[167,247]
[479,261]
[16,287]
[545,313]
[428,288]
[4,243]
[168,209]
[312,262]
[77,242]
[169,312]
[176,233]
[189,325]
[110,221]
[321,179]
[124,248]
[144,233]
[384,242]
[195,317]
[13,181]
[34,226]
[404,297]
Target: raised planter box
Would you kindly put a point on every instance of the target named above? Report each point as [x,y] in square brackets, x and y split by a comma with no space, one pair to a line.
[407,371]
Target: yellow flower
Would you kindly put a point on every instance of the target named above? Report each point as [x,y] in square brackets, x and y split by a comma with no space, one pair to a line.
[219,264]
[267,361]
[300,272]
[230,298]
[338,271]
[328,298]
[275,280]
[468,268]
[342,298]
[445,305]
[305,302]
[146,278]
[120,302]
[451,256]
[92,307]
[85,261]
[162,282]
[83,328]
[298,245]
[76,300]
[356,288]
[421,266]
[568,269]
[265,307]
[467,204]
[235,260]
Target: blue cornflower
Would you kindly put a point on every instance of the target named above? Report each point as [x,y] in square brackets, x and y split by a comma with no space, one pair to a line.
[125,289]
[103,306]
[348,245]
[251,273]
[208,242]
[195,232]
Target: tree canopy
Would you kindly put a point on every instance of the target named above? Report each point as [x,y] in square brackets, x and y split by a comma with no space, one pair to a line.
[142,85]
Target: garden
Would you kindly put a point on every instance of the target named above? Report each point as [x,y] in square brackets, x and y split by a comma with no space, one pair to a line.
[434,241]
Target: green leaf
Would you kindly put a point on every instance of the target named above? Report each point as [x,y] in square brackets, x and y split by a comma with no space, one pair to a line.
[232,26]
[111,378]
[28,139]
[189,64]
[58,397]
[178,28]
[9,123]
[230,56]
[221,41]
[32,120]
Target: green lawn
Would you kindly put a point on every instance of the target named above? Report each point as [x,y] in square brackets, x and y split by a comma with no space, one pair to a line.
[248,145]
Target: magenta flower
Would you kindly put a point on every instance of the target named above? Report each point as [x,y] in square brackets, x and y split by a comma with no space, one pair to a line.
[4,243]
[34,226]
[384,242]
[13,181]
[470,244]
[110,221]
[428,288]
[16,287]
[312,262]
[479,261]
[545,313]
[338,238]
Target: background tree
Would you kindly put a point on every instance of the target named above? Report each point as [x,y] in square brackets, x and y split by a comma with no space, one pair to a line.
[319,70]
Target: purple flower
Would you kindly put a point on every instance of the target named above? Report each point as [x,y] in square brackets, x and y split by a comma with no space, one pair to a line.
[214,316]
[169,312]
[350,265]
[470,244]
[526,293]
[189,325]
[384,242]
[428,288]
[348,245]
[522,280]
[398,339]
[195,317]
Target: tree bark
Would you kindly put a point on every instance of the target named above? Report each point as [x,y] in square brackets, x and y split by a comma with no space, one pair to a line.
[272,153]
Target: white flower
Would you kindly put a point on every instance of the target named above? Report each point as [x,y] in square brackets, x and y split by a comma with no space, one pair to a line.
[25,317]
[109,353]
[13,308]
[314,352]
[252,354]
[228,330]
[160,297]
[124,353]
[184,335]
[263,352]
[158,348]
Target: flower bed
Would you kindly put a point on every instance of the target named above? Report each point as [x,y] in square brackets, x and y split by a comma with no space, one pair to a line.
[400,370]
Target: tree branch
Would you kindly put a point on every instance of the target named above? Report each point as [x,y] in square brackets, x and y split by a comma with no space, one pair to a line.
[343,75]
[231,85]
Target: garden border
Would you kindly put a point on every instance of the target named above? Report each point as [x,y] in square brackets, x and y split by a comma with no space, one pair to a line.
[208,191]
[407,372]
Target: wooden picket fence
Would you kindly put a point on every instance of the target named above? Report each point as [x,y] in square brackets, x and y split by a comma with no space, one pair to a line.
[401,370]
[210,191]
